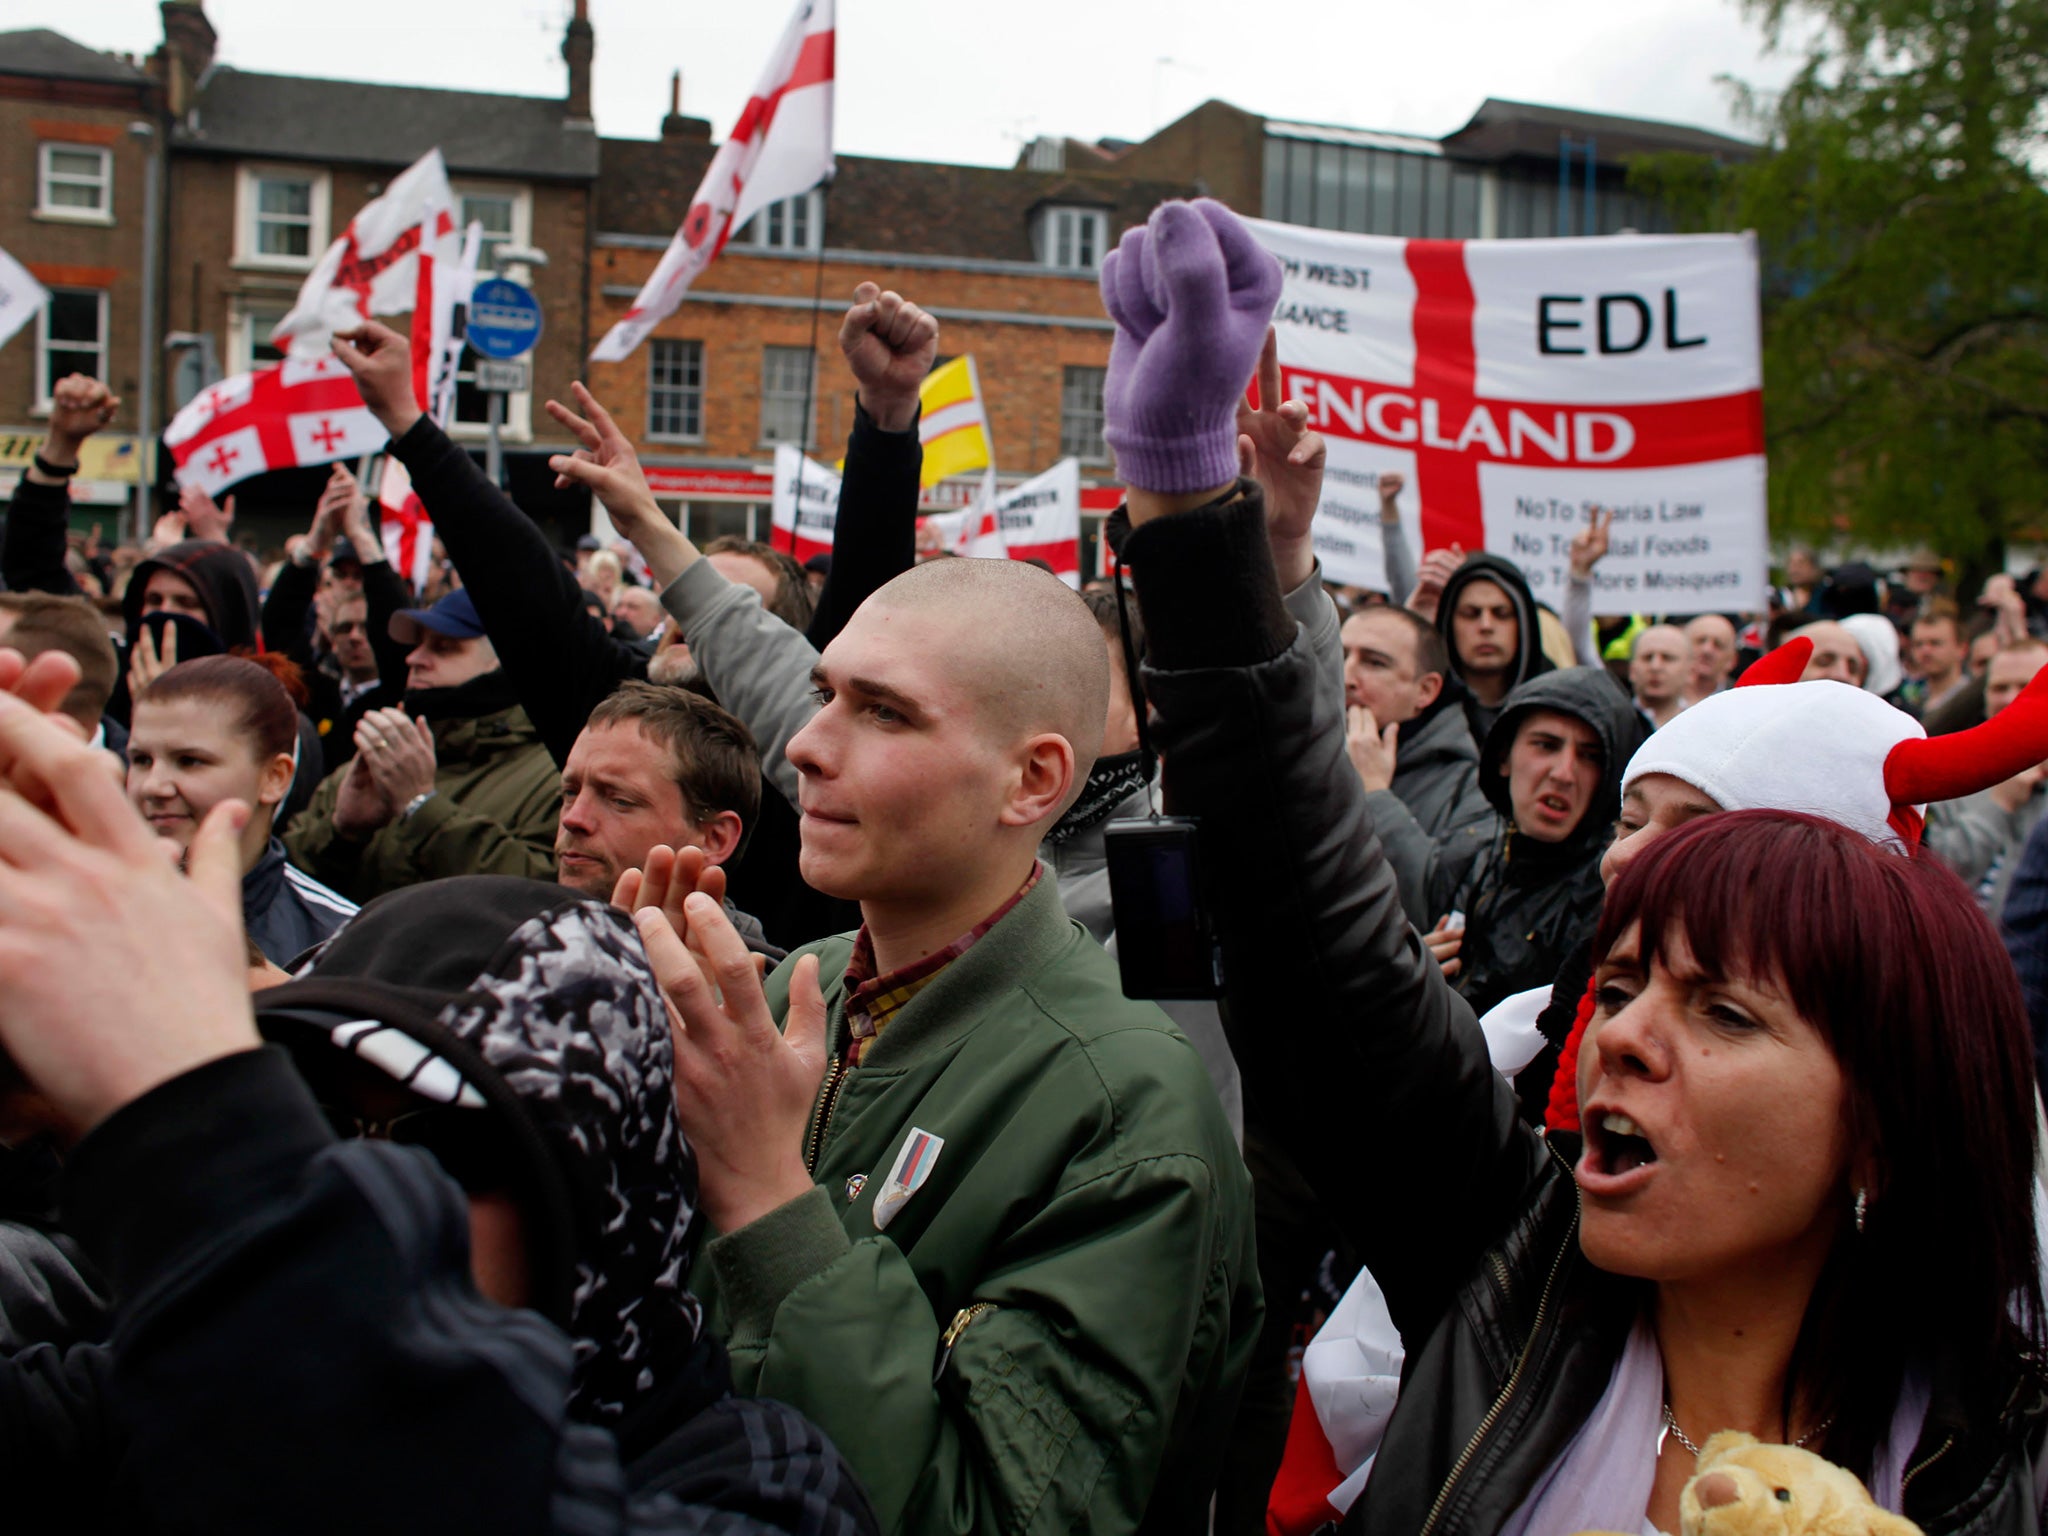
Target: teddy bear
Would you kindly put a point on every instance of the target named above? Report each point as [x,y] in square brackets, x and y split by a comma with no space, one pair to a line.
[1742,1487]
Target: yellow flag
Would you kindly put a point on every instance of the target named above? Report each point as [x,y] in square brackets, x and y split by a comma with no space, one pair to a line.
[954,427]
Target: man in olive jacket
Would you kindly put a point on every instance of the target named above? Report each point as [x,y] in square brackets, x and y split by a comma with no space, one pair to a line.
[980,1216]
[458,782]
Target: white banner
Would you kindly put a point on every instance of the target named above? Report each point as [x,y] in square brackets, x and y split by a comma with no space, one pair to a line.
[804,507]
[1516,384]
[20,297]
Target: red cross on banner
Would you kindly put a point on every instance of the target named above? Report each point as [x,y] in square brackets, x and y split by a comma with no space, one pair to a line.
[1514,384]
[299,412]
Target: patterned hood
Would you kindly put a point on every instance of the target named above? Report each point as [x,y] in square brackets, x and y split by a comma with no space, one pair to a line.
[536,1005]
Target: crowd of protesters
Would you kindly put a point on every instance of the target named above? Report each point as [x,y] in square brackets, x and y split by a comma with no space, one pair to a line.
[638,1038]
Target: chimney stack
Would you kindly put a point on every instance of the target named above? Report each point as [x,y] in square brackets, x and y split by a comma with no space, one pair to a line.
[677,126]
[579,43]
[187,53]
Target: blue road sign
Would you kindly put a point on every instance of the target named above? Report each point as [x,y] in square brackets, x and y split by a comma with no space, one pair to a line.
[504,319]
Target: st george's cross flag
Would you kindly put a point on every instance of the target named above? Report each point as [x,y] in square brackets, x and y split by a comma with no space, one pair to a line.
[374,268]
[780,147]
[1516,384]
[304,410]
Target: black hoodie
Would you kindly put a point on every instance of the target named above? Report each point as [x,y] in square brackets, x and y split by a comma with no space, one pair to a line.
[1529,660]
[537,1006]
[1529,904]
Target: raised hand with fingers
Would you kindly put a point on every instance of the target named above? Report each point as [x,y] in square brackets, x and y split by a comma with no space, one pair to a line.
[890,344]
[204,518]
[119,973]
[1192,295]
[1277,448]
[1432,576]
[1589,545]
[606,465]
[744,1088]
[381,361]
[146,663]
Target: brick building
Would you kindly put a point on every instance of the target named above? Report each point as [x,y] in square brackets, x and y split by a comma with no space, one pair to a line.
[1007,260]
[72,177]
[262,171]
[266,170]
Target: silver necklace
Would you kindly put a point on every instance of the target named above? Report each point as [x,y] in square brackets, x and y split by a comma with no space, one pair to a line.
[1671,1429]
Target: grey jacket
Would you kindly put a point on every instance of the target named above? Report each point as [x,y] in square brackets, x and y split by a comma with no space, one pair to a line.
[1435,799]
[1980,840]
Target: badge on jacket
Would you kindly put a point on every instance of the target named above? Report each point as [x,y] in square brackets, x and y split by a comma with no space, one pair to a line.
[914,1165]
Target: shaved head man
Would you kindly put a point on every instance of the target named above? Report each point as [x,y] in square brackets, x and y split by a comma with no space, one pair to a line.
[970,1027]
[1659,669]
[960,711]
[1714,644]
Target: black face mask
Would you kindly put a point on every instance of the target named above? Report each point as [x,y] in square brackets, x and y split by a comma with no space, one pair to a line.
[1111,781]
[489,694]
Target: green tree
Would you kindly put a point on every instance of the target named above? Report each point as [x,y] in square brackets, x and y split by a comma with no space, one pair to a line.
[1903,223]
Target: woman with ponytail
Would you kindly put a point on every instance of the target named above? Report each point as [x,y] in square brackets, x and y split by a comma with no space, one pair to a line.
[221,728]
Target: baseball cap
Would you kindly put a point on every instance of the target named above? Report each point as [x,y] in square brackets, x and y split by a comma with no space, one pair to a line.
[454,616]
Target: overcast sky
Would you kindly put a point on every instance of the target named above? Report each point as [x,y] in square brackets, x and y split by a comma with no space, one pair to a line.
[946,80]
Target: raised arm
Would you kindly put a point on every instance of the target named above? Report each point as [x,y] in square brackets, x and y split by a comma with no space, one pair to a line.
[890,345]
[32,553]
[756,665]
[1336,1013]
[1395,553]
[1588,549]
[561,659]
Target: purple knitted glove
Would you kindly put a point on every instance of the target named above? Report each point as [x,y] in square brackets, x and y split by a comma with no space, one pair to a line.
[1192,294]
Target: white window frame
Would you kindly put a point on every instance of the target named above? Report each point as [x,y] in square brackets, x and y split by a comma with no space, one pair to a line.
[44,401]
[45,173]
[811,419]
[1099,452]
[518,424]
[754,237]
[247,175]
[702,393]
[1059,232]
[246,330]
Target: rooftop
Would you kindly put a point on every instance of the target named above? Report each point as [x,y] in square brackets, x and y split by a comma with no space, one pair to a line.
[974,211]
[51,55]
[293,117]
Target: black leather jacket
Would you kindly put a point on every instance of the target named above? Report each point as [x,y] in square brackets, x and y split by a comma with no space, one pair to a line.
[1374,1072]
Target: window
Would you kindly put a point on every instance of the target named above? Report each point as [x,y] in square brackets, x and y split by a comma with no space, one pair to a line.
[506,214]
[794,224]
[75,181]
[675,390]
[785,394]
[249,339]
[1073,239]
[1081,415]
[281,217]
[71,337]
